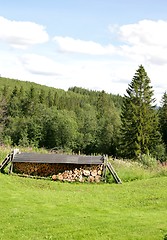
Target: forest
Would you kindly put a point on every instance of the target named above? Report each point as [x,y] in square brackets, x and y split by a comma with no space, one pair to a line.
[84,121]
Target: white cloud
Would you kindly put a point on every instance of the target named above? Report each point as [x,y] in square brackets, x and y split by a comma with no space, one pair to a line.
[70,45]
[145,40]
[145,32]
[91,74]
[111,68]
[41,65]
[21,34]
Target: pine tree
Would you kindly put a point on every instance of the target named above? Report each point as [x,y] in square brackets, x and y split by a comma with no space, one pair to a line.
[163,119]
[139,119]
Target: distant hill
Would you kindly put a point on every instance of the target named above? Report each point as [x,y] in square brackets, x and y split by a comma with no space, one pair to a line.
[10,84]
[78,120]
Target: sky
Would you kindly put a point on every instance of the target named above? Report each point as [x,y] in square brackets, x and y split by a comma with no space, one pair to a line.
[93,44]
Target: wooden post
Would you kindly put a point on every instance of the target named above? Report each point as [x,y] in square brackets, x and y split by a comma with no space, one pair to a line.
[10,168]
[14,152]
[105,167]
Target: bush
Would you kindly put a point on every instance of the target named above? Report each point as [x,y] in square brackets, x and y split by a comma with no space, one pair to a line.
[159,152]
[7,141]
[148,161]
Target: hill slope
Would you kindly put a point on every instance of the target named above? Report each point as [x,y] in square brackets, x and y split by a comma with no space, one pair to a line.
[74,120]
[39,209]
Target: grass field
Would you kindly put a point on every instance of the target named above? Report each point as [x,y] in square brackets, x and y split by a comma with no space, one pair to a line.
[40,209]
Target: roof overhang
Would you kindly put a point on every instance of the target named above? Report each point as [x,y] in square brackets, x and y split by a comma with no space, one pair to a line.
[57,158]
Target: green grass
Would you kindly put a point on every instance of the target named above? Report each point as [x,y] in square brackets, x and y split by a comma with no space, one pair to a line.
[131,171]
[5,150]
[40,209]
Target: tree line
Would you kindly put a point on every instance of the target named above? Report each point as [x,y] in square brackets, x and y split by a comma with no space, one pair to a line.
[85,121]
[76,120]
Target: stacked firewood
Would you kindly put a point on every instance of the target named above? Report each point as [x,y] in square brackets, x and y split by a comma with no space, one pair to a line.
[35,169]
[61,172]
[82,174]
[41,169]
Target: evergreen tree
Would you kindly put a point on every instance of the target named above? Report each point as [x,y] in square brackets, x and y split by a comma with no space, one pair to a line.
[14,103]
[42,96]
[163,119]
[3,115]
[50,99]
[139,119]
[80,119]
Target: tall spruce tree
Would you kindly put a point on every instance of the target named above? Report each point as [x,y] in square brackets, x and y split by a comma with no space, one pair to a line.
[139,118]
[163,119]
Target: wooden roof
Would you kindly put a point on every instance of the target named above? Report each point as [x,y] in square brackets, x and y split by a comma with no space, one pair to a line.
[57,158]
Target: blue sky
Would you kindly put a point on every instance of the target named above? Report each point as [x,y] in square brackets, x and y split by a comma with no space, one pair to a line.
[95,44]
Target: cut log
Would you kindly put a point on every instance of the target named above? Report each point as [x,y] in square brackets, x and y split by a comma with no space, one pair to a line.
[91,179]
[81,179]
[86,173]
[60,177]
[54,177]
[76,171]
[97,179]
[94,173]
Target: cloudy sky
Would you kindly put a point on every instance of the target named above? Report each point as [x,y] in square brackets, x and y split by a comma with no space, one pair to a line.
[94,44]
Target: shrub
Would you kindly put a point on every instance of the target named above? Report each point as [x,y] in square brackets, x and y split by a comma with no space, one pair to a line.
[159,152]
[148,161]
[7,141]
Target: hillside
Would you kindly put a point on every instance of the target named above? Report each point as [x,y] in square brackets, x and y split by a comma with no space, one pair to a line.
[78,120]
[12,83]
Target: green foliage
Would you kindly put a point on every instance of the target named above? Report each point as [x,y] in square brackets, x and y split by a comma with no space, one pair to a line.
[159,152]
[139,132]
[163,119]
[23,141]
[128,170]
[148,161]
[87,127]
[3,116]
[60,129]
[81,120]
[78,119]
[7,141]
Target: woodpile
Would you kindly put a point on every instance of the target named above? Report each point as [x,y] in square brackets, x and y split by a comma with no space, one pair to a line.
[41,169]
[82,174]
[35,169]
[61,172]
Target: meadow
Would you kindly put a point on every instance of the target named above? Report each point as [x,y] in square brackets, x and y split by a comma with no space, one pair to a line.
[34,209]
[37,209]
